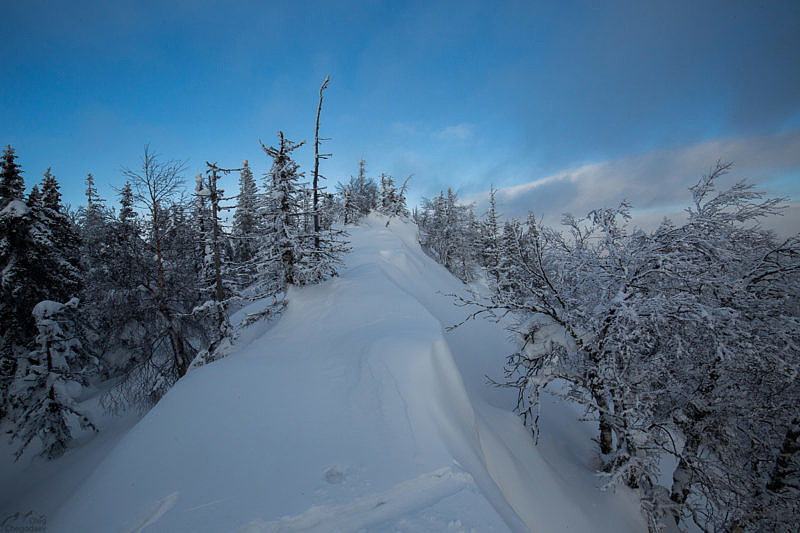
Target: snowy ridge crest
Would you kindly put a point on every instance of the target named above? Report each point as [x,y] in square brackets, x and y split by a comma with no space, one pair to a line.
[351,411]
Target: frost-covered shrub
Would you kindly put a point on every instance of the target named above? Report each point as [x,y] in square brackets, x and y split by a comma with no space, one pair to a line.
[682,341]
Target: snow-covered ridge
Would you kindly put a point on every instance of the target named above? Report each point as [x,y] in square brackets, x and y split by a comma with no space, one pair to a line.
[354,411]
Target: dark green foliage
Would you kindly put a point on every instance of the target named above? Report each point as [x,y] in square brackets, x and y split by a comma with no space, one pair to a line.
[12,185]
[39,250]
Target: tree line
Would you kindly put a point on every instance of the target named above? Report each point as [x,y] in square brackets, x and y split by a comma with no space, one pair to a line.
[125,300]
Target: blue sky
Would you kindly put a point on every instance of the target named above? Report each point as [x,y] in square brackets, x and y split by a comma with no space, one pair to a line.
[457,93]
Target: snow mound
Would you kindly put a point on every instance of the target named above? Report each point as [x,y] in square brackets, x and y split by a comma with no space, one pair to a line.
[354,411]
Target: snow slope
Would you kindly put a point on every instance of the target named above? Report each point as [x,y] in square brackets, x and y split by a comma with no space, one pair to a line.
[354,411]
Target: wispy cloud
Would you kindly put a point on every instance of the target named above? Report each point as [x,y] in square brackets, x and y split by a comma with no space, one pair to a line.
[656,183]
[458,132]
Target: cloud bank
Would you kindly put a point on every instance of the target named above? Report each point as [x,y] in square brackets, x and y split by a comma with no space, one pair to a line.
[656,183]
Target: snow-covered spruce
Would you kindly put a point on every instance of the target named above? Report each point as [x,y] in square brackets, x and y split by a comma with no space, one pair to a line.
[246,230]
[42,395]
[392,201]
[449,232]
[292,253]
[358,196]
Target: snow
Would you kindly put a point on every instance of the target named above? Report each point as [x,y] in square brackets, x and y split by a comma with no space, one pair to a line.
[48,308]
[546,333]
[372,509]
[14,208]
[43,486]
[353,411]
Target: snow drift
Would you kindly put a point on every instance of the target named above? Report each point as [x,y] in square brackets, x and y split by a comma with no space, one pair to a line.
[354,411]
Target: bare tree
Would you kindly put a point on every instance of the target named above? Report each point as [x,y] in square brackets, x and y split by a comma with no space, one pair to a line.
[317,157]
[155,183]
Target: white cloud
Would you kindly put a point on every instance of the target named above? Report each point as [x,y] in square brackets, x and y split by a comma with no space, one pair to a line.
[458,132]
[655,183]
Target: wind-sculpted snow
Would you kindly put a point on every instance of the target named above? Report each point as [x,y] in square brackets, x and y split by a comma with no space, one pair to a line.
[354,411]
[372,509]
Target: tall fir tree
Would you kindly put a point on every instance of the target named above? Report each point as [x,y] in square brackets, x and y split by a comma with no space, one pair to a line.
[282,249]
[12,186]
[246,223]
[218,283]
[490,239]
[126,212]
[92,196]
[51,193]
[13,241]
[386,195]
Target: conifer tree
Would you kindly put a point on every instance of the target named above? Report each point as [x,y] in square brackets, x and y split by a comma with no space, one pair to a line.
[13,265]
[12,185]
[54,226]
[40,260]
[201,217]
[245,231]
[490,234]
[42,404]
[386,194]
[93,222]
[359,196]
[291,255]
[512,256]
[34,198]
[51,194]
[92,196]
[216,278]
[120,311]
[447,232]
[282,250]
[126,212]
[391,201]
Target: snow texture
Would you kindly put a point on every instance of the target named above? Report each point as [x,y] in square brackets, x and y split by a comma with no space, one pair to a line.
[354,411]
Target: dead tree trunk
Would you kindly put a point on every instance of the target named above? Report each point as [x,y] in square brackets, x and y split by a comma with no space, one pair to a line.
[317,157]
